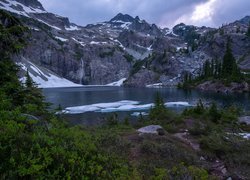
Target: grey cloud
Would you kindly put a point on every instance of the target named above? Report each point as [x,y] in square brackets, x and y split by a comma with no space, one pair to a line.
[226,11]
[161,12]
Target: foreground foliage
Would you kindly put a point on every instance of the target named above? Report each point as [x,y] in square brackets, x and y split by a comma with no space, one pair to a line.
[33,143]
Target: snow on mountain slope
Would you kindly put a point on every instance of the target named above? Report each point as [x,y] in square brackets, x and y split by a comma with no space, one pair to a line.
[72,28]
[117,83]
[43,77]
[55,27]
[19,8]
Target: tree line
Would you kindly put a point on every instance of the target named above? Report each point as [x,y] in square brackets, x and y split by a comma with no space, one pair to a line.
[225,70]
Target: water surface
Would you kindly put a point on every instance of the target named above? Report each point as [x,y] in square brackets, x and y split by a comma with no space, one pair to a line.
[71,97]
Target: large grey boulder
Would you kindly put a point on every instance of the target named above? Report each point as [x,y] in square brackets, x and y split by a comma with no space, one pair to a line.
[245,119]
[151,129]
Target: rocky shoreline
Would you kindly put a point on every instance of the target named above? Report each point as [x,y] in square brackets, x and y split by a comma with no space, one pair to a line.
[218,86]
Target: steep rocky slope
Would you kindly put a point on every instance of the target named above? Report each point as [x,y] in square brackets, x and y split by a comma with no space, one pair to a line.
[124,47]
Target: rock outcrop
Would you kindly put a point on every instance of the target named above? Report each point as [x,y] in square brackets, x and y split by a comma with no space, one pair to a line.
[124,47]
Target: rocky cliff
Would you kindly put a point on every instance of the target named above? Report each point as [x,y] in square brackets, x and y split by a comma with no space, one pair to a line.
[124,47]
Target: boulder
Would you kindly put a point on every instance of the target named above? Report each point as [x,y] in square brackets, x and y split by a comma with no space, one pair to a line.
[152,129]
[245,119]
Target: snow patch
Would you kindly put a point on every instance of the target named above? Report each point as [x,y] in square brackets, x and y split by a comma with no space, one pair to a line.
[117,83]
[171,32]
[154,85]
[45,80]
[97,43]
[178,49]
[55,27]
[25,9]
[120,44]
[150,47]
[7,6]
[33,28]
[245,135]
[81,43]
[126,25]
[61,39]
[72,28]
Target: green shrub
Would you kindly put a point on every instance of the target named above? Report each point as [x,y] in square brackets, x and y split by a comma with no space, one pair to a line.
[128,57]
[107,54]
[214,113]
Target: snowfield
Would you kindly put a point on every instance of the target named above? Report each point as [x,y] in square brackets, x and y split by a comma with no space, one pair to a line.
[45,79]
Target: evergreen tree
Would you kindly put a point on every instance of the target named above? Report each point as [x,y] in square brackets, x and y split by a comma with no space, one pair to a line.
[248,30]
[159,103]
[33,98]
[217,69]
[11,41]
[230,70]
[214,113]
[227,64]
[212,70]
[159,111]
[29,82]
[207,69]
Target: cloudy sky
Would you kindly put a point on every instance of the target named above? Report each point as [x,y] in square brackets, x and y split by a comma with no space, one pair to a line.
[165,13]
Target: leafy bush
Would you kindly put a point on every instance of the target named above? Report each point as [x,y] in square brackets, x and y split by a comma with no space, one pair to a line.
[191,172]
[56,153]
[230,148]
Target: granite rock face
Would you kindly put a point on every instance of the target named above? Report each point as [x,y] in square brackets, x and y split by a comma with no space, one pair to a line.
[124,47]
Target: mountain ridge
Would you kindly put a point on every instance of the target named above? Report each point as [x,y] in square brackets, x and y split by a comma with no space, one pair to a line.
[123,47]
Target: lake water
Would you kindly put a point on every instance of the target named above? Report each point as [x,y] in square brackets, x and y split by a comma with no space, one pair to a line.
[87,96]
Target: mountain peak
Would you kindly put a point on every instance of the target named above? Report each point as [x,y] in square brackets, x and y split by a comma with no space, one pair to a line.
[245,20]
[122,17]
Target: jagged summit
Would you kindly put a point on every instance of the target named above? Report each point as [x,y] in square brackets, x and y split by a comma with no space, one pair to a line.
[123,18]
[245,20]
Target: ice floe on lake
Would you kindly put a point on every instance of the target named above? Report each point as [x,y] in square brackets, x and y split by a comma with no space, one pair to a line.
[137,114]
[119,106]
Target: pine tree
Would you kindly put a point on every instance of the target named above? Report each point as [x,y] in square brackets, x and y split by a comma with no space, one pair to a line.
[230,69]
[11,41]
[227,64]
[33,98]
[29,82]
[212,72]
[159,111]
[159,101]
[207,69]
[214,113]
[248,30]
